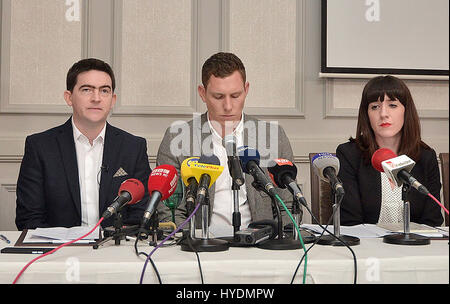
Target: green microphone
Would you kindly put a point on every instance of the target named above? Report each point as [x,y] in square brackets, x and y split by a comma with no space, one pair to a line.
[175,199]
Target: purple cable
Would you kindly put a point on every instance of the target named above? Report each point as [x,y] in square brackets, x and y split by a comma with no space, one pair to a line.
[168,237]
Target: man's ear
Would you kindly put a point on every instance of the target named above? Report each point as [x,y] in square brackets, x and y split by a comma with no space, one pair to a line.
[68,97]
[202,92]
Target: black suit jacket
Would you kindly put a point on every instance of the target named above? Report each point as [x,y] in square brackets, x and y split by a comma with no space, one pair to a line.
[362,184]
[48,191]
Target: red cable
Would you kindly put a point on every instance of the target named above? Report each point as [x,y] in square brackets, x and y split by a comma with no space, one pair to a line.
[52,251]
[439,203]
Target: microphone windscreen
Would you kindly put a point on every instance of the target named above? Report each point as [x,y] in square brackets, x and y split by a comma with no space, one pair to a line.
[208,165]
[279,168]
[209,159]
[135,188]
[187,169]
[320,161]
[247,154]
[163,179]
[380,156]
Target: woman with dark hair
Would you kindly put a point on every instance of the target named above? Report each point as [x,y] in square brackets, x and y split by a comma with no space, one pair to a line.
[387,119]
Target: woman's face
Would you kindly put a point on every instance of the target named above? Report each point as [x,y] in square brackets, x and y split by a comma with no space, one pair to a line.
[386,118]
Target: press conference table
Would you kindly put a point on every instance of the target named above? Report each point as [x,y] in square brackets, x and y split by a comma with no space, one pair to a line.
[377,262]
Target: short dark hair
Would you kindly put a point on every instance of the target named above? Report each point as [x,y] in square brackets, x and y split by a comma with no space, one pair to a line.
[85,65]
[394,88]
[222,65]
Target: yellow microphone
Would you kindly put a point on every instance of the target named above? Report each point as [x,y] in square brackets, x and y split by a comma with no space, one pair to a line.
[209,169]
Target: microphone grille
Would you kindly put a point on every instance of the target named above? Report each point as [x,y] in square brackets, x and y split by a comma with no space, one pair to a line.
[163,179]
[380,156]
[209,159]
[135,188]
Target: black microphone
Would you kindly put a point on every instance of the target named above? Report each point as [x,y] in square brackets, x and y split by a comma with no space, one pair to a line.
[234,162]
[209,169]
[283,173]
[250,165]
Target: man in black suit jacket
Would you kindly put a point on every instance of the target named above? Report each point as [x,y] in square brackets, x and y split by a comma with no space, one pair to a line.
[50,192]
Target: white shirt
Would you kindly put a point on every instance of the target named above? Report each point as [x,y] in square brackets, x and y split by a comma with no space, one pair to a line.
[391,202]
[89,159]
[221,219]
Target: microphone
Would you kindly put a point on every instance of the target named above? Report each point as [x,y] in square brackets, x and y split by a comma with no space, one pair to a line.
[283,173]
[250,165]
[397,168]
[234,163]
[326,167]
[130,192]
[162,183]
[209,169]
[189,179]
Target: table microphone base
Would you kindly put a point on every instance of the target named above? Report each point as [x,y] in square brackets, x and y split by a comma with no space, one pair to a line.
[331,240]
[205,245]
[307,237]
[233,243]
[280,244]
[406,239]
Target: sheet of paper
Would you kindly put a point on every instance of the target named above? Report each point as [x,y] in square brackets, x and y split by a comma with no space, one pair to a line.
[361,231]
[59,235]
[420,229]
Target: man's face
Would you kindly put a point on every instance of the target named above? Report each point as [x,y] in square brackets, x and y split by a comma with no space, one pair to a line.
[224,98]
[92,99]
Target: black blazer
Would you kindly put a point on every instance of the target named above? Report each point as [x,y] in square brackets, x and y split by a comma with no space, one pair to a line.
[362,184]
[48,191]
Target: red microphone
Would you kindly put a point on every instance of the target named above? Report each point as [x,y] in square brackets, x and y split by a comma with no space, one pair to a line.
[162,183]
[381,155]
[397,169]
[130,192]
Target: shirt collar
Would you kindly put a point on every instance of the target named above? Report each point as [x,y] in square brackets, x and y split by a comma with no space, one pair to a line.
[78,136]
[238,130]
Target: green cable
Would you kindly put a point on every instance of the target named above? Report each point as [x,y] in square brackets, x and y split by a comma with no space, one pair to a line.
[299,235]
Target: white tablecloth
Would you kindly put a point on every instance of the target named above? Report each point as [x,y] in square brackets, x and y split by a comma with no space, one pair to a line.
[377,262]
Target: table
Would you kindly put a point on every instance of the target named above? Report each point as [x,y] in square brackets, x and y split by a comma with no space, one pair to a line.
[377,263]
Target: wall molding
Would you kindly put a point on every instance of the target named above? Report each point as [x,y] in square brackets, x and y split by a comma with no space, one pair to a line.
[298,110]
[122,109]
[333,111]
[5,33]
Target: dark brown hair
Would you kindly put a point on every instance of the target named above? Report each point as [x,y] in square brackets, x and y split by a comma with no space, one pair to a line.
[222,65]
[394,88]
[86,65]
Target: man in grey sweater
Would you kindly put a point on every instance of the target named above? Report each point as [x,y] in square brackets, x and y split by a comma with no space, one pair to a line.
[224,89]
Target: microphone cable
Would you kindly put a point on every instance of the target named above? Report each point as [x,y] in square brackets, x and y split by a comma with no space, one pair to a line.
[336,237]
[438,202]
[198,258]
[151,261]
[163,241]
[54,250]
[299,235]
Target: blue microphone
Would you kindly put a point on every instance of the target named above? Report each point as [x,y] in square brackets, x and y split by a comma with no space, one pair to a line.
[250,165]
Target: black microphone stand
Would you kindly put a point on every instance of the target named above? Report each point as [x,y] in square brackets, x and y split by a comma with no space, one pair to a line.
[189,234]
[280,242]
[117,232]
[406,238]
[205,244]
[307,237]
[330,239]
